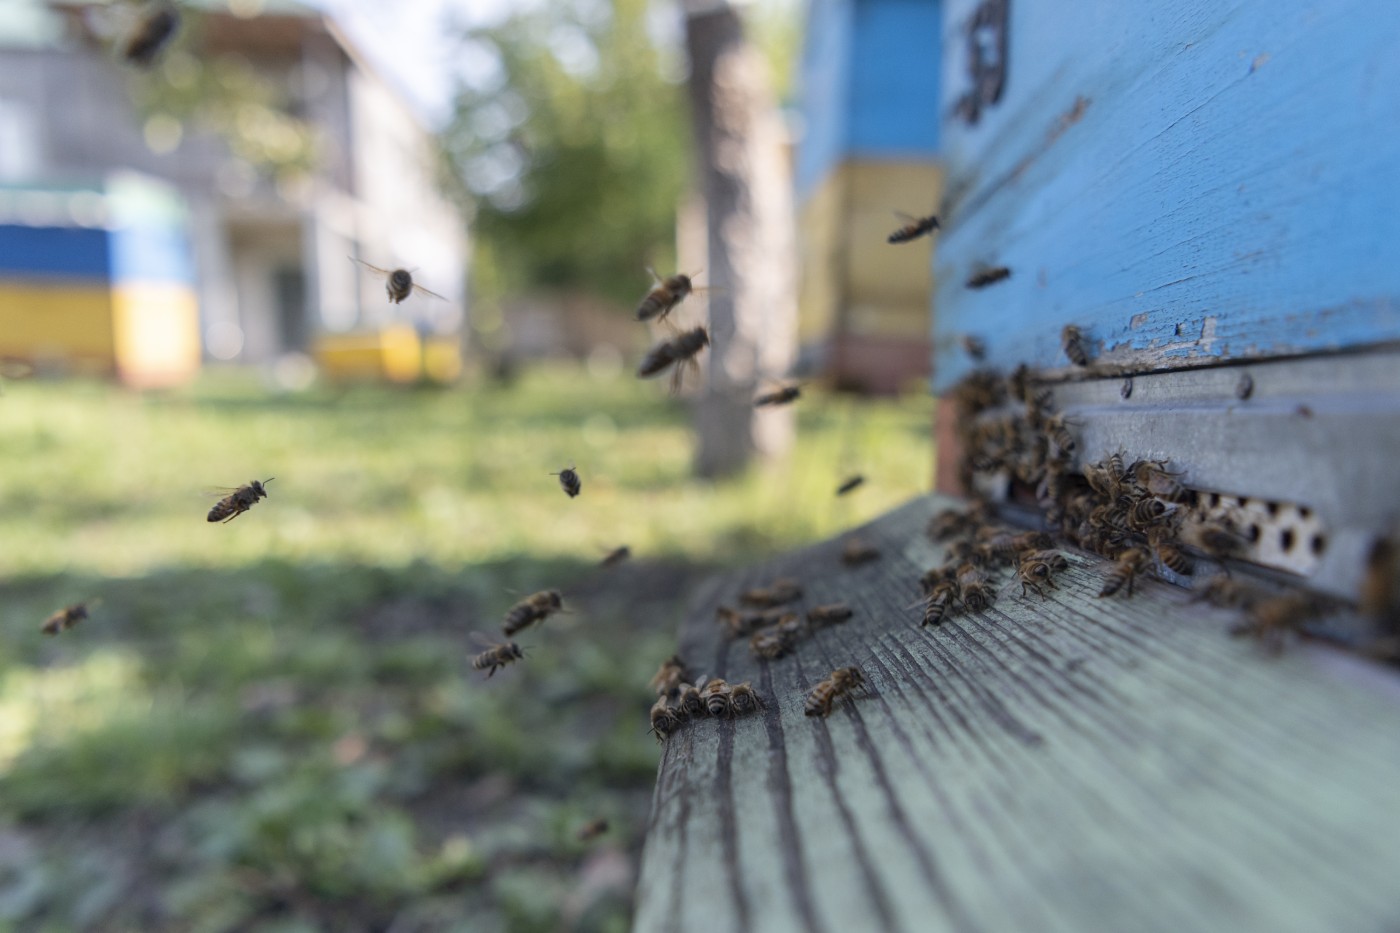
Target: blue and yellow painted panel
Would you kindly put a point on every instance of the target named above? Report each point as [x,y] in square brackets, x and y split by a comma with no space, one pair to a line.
[1187,182]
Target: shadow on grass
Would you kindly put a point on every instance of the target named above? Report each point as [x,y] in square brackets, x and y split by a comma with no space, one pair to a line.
[224,748]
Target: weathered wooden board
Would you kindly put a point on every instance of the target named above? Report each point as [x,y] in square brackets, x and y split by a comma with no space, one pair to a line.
[1186,181]
[1067,764]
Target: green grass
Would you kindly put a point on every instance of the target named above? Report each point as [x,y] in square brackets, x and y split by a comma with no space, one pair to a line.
[273,724]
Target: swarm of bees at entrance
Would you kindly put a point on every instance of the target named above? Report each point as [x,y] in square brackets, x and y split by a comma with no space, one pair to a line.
[681,698]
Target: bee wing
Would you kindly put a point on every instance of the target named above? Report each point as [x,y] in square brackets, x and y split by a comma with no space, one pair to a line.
[370,266]
[217,492]
[484,640]
[655,279]
[907,218]
[430,294]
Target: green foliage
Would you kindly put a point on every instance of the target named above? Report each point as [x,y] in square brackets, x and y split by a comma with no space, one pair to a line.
[577,149]
[274,724]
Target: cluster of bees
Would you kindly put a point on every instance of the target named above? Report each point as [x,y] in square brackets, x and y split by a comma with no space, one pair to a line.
[977,549]
[681,697]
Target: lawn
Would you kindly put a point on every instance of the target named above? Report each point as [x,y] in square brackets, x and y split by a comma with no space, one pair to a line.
[273,724]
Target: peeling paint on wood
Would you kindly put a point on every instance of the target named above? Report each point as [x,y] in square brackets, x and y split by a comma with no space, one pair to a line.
[1193,182]
[1066,764]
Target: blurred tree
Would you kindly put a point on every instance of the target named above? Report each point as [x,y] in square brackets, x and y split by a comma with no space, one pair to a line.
[571,136]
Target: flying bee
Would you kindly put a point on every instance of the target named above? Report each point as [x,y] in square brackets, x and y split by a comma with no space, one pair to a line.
[1130,563]
[496,656]
[239,501]
[664,720]
[664,296]
[829,614]
[1166,551]
[671,674]
[914,227]
[1072,342]
[591,830]
[66,618]
[398,283]
[534,608]
[778,397]
[857,552]
[840,685]
[689,701]
[1154,476]
[568,478]
[743,700]
[1032,572]
[849,483]
[982,276]
[616,556]
[679,350]
[153,32]
[780,591]
[972,588]
[717,695]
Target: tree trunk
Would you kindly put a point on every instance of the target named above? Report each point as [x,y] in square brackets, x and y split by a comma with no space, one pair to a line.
[750,263]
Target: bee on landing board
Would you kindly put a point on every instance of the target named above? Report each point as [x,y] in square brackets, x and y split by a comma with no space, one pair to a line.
[591,830]
[152,32]
[534,608]
[497,656]
[850,483]
[689,702]
[718,698]
[669,676]
[840,685]
[398,283]
[1032,572]
[664,720]
[857,551]
[778,397]
[1072,342]
[680,351]
[568,478]
[239,501]
[982,276]
[1130,563]
[664,296]
[65,618]
[914,227]
[780,591]
[743,700]
[829,614]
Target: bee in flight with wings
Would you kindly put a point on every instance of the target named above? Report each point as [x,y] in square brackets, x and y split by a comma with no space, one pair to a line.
[398,283]
[666,294]
[237,501]
[914,227]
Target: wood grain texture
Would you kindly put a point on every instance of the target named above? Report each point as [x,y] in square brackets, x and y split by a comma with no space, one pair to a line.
[1066,764]
[1186,181]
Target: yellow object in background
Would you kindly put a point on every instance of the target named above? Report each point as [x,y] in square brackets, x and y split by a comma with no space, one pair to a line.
[394,353]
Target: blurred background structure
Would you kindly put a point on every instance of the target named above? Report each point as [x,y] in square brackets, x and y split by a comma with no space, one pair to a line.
[280,152]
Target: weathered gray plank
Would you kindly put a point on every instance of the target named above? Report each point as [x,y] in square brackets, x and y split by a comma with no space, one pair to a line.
[1068,764]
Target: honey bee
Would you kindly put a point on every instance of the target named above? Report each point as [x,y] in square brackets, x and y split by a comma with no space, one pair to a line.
[1032,572]
[1145,513]
[742,623]
[717,696]
[973,346]
[983,276]
[972,588]
[239,501]
[591,830]
[840,685]
[778,397]
[568,478]
[1379,594]
[743,700]
[1072,342]
[940,599]
[1226,593]
[1153,476]
[780,591]
[664,720]
[616,556]
[154,30]
[1217,539]
[914,227]
[1272,619]
[1019,383]
[768,644]
[850,483]
[857,552]
[1057,429]
[534,608]
[689,702]
[1166,551]
[829,614]
[65,618]
[669,675]
[680,350]
[1057,561]
[398,283]
[664,296]
[496,656]
[1130,563]
[947,524]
